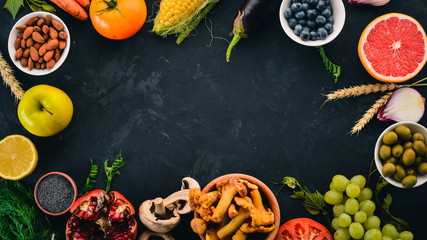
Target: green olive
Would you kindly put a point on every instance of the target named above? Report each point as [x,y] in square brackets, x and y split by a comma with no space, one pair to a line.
[400,174]
[410,171]
[385,152]
[408,157]
[417,137]
[389,169]
[409,181]
[419,147]
[422,168]
[407,145]
[418,160]
[390,138]
[391,160]
[397,151]
[403,132]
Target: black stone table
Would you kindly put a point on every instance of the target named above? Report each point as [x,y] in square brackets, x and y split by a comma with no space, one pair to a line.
[177,111]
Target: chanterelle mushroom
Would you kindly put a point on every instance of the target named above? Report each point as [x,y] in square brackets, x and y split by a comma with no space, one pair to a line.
[163,215]
[228,188]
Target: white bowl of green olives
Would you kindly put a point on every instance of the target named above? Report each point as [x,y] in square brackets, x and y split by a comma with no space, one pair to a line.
[401,154]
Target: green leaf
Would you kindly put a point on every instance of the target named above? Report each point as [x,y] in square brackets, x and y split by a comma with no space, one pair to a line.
[330,66]
[387,202]
[91,179]
[298,195]
[13,6]
[113,170]
[314,202]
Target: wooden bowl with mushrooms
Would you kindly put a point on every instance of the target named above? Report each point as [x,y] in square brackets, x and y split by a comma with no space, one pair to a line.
[235,206]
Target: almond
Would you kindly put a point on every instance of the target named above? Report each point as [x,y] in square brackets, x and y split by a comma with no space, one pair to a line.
[21,28]
[45,37]
[20,34]
[62,35]
[50,64]
[24,62]
[32,21]
[53,33]
[17,43]
[19,53]
[40,60]
[37,37]
[52,44]
[48,55]
[30,42]
[30,64]
[23,44]
[48,20]
[37,64]
[37,46]
[45,29]
[27,33]
[40,22]
[57,54]
[37,29]
[43,65]
[62,44]
[57,25]
[34,54]
[26,53]
[42,50]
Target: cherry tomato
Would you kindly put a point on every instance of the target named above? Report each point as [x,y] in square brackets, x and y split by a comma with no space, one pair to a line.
[117,19]
[303,228]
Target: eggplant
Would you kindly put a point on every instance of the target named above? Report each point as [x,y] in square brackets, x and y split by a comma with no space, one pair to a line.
[248,19]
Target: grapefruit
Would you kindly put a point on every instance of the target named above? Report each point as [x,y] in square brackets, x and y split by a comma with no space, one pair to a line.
[393,47]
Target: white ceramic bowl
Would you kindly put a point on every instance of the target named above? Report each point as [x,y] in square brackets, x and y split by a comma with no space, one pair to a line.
[414,127]
[12,50]
[338,11]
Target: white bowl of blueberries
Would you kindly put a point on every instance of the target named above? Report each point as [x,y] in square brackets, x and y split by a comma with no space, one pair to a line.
[312,22]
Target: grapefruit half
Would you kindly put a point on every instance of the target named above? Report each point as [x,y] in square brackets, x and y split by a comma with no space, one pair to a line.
[393,47]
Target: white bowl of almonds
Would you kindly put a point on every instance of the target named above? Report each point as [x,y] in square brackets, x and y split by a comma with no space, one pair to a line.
[39,43]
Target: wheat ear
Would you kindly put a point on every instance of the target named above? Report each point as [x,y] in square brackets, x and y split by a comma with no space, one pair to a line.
[10,80]
[370,113]
[361,90]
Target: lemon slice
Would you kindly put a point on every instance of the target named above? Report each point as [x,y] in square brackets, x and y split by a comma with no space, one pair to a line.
[18,157]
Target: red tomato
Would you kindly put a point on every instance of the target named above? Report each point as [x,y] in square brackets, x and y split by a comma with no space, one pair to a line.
[303,229]
[118,19]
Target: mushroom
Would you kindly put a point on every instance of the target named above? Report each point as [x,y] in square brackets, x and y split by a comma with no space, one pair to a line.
[198,226]
[162,215]
[234,224]
[240,235]
[147,234]
[202,202]
[264,217]
[228,188]
[232,211]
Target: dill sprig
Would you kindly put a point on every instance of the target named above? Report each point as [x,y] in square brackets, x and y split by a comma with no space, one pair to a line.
[113,170]
[91,179]
[19,217]
[330,66]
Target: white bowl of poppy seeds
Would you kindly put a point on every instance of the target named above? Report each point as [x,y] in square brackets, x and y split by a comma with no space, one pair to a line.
[55,192]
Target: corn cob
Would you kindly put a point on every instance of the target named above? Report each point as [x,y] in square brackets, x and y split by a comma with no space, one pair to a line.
[175,15]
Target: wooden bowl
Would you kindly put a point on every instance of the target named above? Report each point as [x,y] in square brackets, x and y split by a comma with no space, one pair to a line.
[73,184]
[268,197]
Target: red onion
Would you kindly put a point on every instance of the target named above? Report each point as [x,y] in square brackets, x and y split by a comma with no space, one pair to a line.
[405,104]
[369,2]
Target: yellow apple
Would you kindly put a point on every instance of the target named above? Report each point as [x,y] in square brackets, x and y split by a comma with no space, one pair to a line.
[45,110]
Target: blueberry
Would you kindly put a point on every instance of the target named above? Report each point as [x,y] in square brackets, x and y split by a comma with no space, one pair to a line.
[305,35]
[331,20]
[298,29]
[329,27]
[320,20]
[305,6]
[311,14]
[301,15]
[307,29]
[311,24]
[304,1]
[313,35]
[296,7]
[312,3]
[302,22]
[328,6]
[295,1]
[288,13]
[327,13]
[322,33]
[320,6]
[326,2]
[292,22]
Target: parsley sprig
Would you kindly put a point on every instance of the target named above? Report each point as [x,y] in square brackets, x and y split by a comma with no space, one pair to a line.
[113,170]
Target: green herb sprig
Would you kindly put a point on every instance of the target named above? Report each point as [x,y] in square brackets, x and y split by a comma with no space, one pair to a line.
[110,172]
[91,179]
[330,66]
[19,216]
[13,6]
[313,202]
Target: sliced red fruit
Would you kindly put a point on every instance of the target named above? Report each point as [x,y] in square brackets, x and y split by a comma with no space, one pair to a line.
[303,229]
[393,47]
[119,207]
